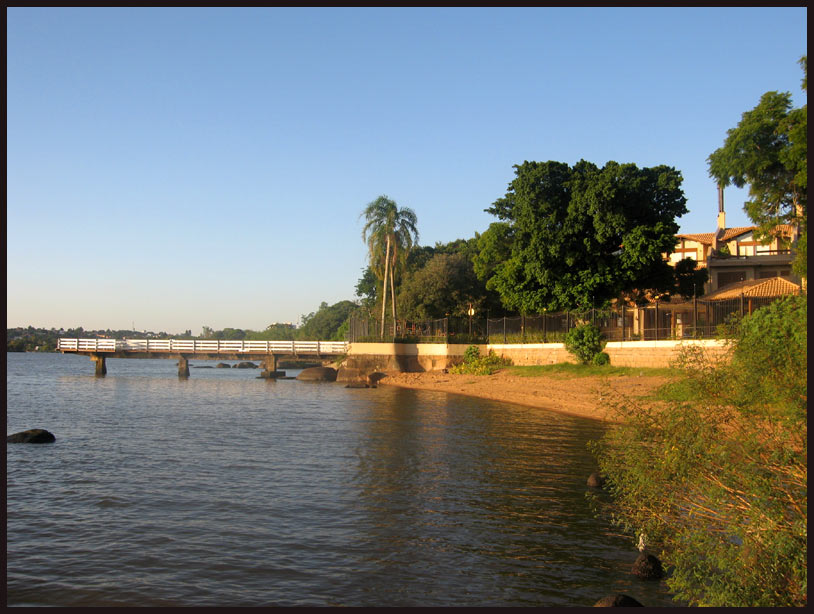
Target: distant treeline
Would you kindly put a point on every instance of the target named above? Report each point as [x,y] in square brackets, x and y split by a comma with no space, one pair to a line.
[328,323]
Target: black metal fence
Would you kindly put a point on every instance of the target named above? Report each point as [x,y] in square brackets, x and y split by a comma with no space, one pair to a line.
[697,319]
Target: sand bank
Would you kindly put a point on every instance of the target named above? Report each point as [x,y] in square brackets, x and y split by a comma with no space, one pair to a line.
[587,397]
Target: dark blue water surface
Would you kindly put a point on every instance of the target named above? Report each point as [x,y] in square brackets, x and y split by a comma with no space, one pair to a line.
[224,489]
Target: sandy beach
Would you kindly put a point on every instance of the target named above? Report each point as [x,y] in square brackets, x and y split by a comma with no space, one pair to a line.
[587,397]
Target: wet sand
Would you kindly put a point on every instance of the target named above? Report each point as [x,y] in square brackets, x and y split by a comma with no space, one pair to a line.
[587,397]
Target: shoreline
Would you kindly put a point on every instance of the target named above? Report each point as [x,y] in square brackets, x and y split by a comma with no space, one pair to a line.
[585,397]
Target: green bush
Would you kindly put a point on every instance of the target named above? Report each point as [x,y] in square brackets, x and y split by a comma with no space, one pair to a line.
[602,358]
[584,341]
[716,477]
[475,364]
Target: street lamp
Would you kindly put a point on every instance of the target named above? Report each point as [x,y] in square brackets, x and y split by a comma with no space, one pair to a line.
[471,312]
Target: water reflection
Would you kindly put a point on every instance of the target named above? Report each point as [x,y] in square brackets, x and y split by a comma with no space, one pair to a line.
[227,490]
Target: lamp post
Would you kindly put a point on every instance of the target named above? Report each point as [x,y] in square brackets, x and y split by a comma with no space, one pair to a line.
[471,312]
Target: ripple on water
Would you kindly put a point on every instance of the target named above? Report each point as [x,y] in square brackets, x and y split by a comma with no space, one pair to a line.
[227,490]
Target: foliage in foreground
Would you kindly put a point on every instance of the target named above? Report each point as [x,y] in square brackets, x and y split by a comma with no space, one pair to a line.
[475,364]
[717,483]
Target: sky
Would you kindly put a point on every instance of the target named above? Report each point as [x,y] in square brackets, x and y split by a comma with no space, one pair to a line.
[174,168]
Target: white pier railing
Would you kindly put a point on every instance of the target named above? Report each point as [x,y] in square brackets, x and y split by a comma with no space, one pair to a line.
[202,346]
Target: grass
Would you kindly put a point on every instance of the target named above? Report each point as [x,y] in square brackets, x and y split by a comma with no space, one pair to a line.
[569,370]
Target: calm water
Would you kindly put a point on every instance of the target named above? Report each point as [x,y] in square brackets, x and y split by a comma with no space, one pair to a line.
[225,489]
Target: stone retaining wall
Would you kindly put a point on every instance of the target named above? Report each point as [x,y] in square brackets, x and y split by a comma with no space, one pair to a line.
[412,357]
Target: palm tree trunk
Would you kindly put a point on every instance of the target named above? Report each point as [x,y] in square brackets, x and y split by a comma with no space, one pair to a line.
[384,280]
[393,296]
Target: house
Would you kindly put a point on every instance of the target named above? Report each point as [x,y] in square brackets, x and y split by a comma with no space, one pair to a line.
[733,255]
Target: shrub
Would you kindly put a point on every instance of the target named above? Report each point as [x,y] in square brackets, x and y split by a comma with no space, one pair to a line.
[602,358]
[475,364]
[717,479]
[584,341]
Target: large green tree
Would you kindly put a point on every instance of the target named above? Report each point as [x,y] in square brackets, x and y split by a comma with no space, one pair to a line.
[768,151]
[576,237]
[390,232]
[328,323]
[446,285]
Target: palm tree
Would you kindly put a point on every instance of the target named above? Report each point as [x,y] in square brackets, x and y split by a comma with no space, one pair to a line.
[390,232]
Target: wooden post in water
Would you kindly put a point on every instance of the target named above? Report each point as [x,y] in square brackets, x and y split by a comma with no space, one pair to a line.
[183,366]
[271,367]
[101,369]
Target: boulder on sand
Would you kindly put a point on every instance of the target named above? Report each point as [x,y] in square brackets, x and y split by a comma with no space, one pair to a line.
[318,374]
[31,436]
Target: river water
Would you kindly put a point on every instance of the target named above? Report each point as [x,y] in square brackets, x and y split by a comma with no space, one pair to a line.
[224,489]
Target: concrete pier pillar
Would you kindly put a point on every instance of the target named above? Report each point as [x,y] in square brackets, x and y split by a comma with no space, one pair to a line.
[183,366]
[270,370]
[101,368]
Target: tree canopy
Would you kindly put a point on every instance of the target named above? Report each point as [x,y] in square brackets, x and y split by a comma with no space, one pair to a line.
[768,151]
[576,237]
[390,232]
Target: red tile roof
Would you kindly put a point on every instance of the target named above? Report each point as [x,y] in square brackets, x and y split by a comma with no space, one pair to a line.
[755,288]
[703,237]
[731,233]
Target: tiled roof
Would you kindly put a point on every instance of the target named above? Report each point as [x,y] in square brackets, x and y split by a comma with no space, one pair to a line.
[703,237]
[731,233]
[756,288]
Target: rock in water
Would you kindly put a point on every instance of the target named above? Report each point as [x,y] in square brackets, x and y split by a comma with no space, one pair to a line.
[616,601]
[647,567]
[595,480]
[374,378]
[32,436]
[318,374]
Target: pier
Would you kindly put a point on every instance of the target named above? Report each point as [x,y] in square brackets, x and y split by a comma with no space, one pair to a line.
[184,349]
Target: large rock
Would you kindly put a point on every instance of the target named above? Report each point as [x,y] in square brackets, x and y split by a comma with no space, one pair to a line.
[647,567]
[245,365]
[596,481]
[616,601]
[318,374]
[374,378]
[32,436]
[223,365]
[351,375]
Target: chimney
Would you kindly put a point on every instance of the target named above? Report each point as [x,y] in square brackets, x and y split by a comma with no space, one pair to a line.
[721,213]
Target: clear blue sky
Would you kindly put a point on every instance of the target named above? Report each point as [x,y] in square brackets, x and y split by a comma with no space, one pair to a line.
[175,168]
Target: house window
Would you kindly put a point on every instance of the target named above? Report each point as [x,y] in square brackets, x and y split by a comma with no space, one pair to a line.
[730,277]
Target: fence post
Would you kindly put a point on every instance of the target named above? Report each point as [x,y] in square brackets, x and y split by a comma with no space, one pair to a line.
[706,309]
[544,327]
[504,330]
[522,328]
[694,316]
[623,321]
[657,320]
[741,303]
